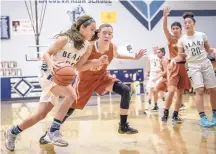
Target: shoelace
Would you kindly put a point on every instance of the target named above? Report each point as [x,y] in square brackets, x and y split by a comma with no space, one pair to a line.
[60,136]
[12,139]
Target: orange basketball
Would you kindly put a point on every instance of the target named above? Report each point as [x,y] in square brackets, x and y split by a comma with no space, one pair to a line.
[64,76]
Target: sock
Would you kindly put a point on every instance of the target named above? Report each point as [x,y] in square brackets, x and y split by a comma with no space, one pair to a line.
[166,112]
[123,119]
[214,111]
[175,114]
[55,125]
[70,111]
[16,130]
[202,114]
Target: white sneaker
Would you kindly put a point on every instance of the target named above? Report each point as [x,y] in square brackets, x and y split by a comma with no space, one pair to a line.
[55,138]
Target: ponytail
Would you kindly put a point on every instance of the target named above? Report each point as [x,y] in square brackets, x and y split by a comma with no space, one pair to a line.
[74,34]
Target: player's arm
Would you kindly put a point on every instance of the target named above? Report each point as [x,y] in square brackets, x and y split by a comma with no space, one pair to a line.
[147,68]
[119,55]
[59,43]
[164,65]
[208,48]
[165,25]
[84,64]
[181,52]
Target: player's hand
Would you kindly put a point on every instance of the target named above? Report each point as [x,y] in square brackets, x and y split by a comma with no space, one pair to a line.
[166,11]
[140,54]
[54,65]
[103,60]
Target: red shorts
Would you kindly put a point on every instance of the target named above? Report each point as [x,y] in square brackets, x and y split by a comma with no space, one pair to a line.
[162,84]
[85,88]
[177,76]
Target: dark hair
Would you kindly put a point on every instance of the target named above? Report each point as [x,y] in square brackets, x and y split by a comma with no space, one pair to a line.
[176,24]
[189,15]
[74,34]
[163,50]
[95,37]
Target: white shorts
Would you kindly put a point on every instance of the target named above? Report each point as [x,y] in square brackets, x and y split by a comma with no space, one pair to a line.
[46,85]
[152,79]
[202,74]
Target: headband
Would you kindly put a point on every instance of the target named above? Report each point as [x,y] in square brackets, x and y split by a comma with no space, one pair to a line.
[86,22]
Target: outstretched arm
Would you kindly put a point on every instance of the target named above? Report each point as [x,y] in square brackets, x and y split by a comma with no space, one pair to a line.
[165,26]
[119,55]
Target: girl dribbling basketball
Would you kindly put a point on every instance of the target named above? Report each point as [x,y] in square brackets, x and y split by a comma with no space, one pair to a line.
[98,80]
[70,47]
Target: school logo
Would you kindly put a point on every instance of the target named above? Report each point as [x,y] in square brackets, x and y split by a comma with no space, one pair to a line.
[150,13]
[76,13]
[129,48]
[147,14]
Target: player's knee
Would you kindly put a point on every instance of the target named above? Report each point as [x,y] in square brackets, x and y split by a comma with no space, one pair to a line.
[124,91]
[125,100]
[200,91]
[172,90]
[70,96]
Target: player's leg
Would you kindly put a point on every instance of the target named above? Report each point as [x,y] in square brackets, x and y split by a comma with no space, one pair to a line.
[175,117]
[209,79]
[172,79]
[43,109]
[84,91]
[114,85]
[197,81]
[53,135]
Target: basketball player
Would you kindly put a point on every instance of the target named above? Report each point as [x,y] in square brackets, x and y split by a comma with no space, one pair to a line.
[161,84]
[177,76]
[98,80]
[153,72]
[69,47]
[161,80]
[195,46]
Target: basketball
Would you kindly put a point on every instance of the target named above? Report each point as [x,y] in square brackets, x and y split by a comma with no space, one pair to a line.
[64,76]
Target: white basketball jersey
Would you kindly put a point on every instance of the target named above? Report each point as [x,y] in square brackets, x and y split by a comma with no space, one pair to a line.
[194,46]
[68,54]
[155,63]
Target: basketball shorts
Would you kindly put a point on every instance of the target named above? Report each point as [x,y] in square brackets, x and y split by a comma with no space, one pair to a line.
[161,84]
[153,79]
[177,76]
[202,74]
[86,87]
[46,85]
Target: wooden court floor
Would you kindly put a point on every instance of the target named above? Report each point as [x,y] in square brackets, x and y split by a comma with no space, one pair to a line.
[94,129]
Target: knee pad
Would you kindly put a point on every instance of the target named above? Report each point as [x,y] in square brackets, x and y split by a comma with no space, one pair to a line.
[124,91]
